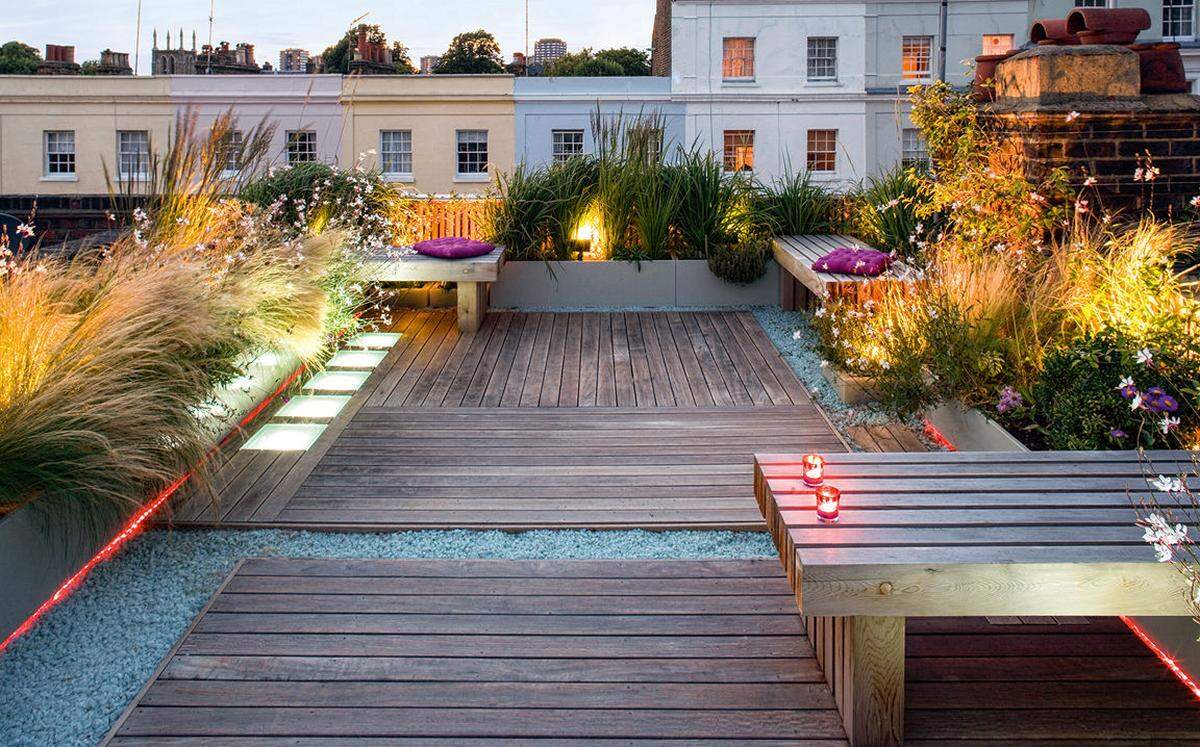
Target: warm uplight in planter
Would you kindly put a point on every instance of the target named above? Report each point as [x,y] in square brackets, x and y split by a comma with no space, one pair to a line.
[374,340]
[829,500]
[314,406]
[356,358]
[280,437]
[337,381]
[814,469]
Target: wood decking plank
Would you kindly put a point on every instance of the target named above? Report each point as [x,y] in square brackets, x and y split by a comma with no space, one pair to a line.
[572,369]
[627,670]
[551,381]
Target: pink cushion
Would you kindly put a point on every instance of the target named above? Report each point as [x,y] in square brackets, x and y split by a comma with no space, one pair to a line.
[853,261]
[453,247]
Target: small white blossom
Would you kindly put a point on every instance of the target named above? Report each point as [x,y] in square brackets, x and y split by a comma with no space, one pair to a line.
[1072,116]
[1145,357]
[1167,484]
[1168,424]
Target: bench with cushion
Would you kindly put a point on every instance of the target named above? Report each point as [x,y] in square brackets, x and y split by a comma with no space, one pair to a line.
[799,283]
[474,276]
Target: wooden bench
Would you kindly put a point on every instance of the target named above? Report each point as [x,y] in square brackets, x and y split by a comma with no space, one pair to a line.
[800,284]
[474,277]
[957,535]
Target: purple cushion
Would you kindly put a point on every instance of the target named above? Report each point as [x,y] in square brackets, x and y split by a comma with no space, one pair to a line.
[853,261]
[453,247]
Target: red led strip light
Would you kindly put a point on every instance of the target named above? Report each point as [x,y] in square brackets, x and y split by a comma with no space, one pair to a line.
[1167,660]
[135,524]
[936,436]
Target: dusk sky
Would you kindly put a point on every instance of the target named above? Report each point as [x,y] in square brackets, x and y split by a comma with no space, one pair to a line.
[426,26]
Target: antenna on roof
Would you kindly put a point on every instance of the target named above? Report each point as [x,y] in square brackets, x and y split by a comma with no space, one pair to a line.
[137,38]
[212,7]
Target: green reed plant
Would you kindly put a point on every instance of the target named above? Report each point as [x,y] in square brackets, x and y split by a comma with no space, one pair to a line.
[715,208]
[884,213]
[795,205]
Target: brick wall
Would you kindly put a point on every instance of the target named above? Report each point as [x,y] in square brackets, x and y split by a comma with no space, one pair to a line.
[660,41]
[1111,147]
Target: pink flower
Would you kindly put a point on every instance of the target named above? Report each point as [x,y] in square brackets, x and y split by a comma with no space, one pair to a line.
[25,230]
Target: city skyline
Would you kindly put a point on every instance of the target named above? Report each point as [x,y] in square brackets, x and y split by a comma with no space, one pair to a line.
[272,25]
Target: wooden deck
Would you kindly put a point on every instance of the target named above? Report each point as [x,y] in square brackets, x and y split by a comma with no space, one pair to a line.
[491,652]
[597,420]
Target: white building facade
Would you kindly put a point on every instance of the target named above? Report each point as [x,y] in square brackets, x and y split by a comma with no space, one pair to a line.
[779,85]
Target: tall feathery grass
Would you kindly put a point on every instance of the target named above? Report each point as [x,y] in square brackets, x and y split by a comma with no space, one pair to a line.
[109,360]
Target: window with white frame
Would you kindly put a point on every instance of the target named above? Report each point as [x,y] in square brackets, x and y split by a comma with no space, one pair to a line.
[59,148]
[395,152]
[566,144]
[822,150]
[231,151]
[737,58]
[472,152]
[739,150]
[997,44]
[1178,20]
[133,154]
[301,146]
[913,151]
[916,57]
[822,58]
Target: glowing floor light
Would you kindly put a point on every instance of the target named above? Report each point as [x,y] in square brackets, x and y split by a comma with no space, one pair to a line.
[375,340]
[314,406]
[356,358]
[337,381]
[284,437]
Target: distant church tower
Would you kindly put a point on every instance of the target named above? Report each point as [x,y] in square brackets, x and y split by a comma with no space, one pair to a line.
[169,61]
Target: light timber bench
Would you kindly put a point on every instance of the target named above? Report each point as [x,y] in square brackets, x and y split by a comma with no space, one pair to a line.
[474,277]
[800,283]
[957,535]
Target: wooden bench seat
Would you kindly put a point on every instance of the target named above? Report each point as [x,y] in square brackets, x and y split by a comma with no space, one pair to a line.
[474,277]
[799,283]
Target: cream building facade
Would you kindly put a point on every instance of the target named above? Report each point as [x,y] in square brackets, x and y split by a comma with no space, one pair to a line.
[59,135]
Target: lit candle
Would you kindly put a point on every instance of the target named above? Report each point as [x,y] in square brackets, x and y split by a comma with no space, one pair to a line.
[829,499]
[814,470]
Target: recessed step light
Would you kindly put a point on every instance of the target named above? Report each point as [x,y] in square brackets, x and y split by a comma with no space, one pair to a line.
[284,437]
[314,406]
[356,358]
[377,340]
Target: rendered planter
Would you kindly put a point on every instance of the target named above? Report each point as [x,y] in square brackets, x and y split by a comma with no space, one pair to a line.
[851,389]
[35,559]
[970,430]
[599,285]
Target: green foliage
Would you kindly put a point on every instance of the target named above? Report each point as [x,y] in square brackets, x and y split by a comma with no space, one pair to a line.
[885,213]
[315,194]
[740,263]
[17,58]
[472,52]
[607,62]
[715,208]
[538,209]
[655,203]
[1076,402]
[794,205]
[338,57]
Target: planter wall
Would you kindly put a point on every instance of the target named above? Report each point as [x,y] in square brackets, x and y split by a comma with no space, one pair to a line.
[35,560]
[970,430]
[595,285]
[853,390]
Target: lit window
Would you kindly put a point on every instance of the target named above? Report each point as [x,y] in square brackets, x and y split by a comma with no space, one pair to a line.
[822,58]
[822,150]
[912,147]
[472,152]
[133,154]
[566,144]
[997,43]
[916,57]
[739,150]
[395,152]
[1091,3]
[737,61]
[301,146]
[1178,23]
[60,153]
[231,150]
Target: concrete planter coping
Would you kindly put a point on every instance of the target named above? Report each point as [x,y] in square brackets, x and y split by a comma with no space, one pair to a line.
[851,389]
[613,284]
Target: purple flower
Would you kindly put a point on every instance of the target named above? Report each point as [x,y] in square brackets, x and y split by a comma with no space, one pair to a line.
[1167,403]
[1118,434]
[1129,391]
[1009,399]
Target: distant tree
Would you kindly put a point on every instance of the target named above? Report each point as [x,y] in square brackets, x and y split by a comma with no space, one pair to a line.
[402,60]
[606,62]
[18,59]
[337,58]
[473,52]
[89,67]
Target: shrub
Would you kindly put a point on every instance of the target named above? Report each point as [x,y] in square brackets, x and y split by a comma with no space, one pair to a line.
[884,213]
[715,208]
[742,262]
[794,205]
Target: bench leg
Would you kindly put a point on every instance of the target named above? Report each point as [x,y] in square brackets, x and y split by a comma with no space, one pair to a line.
[872,674]
[472,305]
[787,290]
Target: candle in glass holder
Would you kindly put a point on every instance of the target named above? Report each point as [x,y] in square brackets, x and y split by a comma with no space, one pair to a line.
[829,501]
[814,469]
